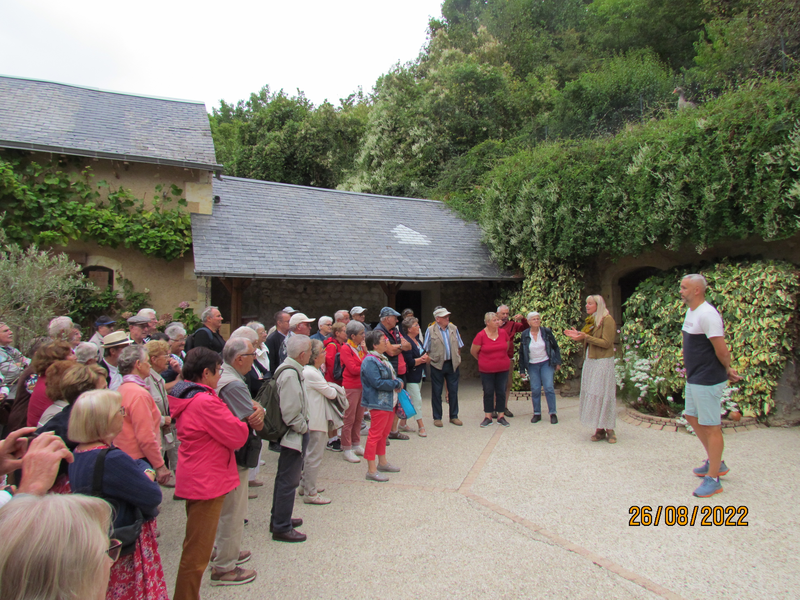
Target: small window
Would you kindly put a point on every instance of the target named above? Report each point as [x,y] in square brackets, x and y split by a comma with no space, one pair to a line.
[102,277]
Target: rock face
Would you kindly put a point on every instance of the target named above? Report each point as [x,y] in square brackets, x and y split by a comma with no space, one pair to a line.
[787,398]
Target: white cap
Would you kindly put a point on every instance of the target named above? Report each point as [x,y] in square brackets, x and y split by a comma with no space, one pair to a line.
[441,312]
[290,310]
[298,318]
[357,310]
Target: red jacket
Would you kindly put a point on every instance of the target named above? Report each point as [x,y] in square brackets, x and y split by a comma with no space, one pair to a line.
[209,434]
[352,367]
[332,347]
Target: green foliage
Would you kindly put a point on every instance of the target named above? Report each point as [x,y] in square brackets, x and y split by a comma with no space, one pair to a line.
[90,302]
[727,170]
[34,286]
[758,304]
[45,205]
[554,290]
[184,314]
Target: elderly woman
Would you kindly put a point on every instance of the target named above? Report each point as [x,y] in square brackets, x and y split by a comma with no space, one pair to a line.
[317,390]
[598,382]
[86,353]
[55,546]
[540,358]
[141,426]
[490,349]
[351,355]
[53,376]
[44,357]
[262,352]
[62,328]
[379,394]
[176,335]
[333,346]
[160,357]
[127,484]
[12,362]
[416,359]
[209,434]
[324,325]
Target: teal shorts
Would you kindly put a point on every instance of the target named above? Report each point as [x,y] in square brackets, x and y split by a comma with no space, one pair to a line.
[703,402]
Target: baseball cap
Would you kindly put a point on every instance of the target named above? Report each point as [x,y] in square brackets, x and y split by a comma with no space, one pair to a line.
[441,312]
[104,320]
[387,311]
[357,310]
[290,310]
[298,318]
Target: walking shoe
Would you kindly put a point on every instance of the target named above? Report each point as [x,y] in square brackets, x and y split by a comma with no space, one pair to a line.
[502,421]
[358,450]
[456,421]
[244,556]
[289,536]
[437,423]
[494,415]
[508,413]
[553,419]
[388,468]
[301,490]
[296,522]
[334,446]
[396,435]
[316,499]
[486,422]
[702,470]
[536,418]
[376,477]
[350,456]
[708,488]
[236,576]
[255,483]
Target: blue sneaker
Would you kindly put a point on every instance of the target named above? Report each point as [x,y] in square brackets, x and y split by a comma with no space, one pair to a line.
[708,488]
[702,470]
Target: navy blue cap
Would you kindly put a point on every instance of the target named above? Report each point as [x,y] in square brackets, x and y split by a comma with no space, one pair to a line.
[104,320]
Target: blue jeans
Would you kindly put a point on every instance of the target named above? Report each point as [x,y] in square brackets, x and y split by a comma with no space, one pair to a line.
[541,375]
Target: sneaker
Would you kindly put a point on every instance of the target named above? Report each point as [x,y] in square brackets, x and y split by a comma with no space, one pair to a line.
[388,468]
[376,476]
[486,422]
[301,490]
[502,421]
[508,413]
[708,488]
[358,450]
[702,470]
[316,499]
[334,446]
[553,419]
[236,576]
[350,456]
[244,556]
[536,418]
[364,429]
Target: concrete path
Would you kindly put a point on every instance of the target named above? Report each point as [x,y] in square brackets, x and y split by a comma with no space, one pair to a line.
[528,511]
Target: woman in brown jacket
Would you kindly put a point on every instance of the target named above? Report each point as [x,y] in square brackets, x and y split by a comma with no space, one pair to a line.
[598,382]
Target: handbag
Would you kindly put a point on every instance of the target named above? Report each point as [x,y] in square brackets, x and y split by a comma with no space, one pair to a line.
[404,401]
[127,534]
[248,455]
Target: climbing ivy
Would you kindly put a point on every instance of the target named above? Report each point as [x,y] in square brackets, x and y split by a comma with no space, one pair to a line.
[47,206]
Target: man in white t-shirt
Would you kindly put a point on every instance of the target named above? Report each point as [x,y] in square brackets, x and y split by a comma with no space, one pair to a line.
[707,361]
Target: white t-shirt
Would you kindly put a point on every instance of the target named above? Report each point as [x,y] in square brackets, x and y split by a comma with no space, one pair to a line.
[699,357]
[536,350]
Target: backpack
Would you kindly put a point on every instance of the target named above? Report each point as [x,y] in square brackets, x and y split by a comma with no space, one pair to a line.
[338,365]
[274,427]
[190,338]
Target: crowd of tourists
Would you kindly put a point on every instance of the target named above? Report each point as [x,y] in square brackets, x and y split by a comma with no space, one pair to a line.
[95,431]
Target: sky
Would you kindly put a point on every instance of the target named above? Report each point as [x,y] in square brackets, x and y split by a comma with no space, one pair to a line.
[209,51]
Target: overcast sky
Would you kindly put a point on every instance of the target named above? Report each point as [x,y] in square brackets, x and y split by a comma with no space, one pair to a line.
[209,51]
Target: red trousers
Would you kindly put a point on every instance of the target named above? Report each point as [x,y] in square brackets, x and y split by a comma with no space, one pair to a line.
[379,429]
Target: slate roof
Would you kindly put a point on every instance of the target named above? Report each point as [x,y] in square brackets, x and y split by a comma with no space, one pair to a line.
[272,230]
[67,119]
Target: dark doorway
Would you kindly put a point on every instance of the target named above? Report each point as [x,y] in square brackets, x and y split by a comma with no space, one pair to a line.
[628,283]
[410,299]
[102,277]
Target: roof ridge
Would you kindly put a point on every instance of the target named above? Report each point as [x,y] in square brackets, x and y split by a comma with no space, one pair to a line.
[95,89]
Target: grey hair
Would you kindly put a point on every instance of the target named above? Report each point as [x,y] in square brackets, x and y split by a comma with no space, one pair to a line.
[698,279]
[60,328]
[204,316]
[245,332]
[86,351]
[147,312]
[324,321]
[234,347]
[532,314]
[297,344]
[354,328]
[128,357]
[316,350]
[255,326]
[409,322]
[340,313]
[173,331]
[501,307]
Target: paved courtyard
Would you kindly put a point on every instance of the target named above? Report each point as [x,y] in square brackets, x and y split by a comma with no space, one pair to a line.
[528,511]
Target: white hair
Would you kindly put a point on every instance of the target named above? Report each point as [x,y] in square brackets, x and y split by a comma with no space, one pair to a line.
[297,344]
[173,331]
[245,332]
[255,326]
[501,307]
[235,347]
[60,328]
[86,351]
[532,314]
[324,321]
[697,279]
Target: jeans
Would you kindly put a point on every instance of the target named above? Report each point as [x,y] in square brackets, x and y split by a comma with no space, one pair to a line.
[438,377]
[494,391]
[290,466]
[541,375]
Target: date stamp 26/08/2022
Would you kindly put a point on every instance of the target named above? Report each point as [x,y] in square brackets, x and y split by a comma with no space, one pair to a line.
[705,516]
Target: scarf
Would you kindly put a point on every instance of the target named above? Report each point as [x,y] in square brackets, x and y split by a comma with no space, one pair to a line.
[356,350]
[131,378]
[589,327]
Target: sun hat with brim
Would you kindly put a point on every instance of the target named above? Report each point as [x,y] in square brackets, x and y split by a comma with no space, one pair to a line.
[116,338]
[104,320]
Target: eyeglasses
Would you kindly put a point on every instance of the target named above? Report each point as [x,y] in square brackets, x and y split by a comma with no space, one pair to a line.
[114,549]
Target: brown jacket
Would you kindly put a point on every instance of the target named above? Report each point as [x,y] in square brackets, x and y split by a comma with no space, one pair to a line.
[601,343]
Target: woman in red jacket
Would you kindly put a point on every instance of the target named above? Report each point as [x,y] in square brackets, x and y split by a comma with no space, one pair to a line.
[351,354]
[209,434]
[333,346]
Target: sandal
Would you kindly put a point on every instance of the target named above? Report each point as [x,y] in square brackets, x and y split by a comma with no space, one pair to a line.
[599,435]
[612,437]
[396,435]
[405,428]
[421,432]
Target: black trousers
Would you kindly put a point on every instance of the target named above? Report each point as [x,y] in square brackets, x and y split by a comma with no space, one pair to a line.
[494,391]
[290,466]
[438,378]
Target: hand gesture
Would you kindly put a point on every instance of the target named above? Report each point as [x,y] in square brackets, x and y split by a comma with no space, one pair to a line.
[40,463]
[13,448]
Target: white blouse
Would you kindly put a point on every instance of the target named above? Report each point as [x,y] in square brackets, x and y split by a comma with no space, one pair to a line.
[536,350]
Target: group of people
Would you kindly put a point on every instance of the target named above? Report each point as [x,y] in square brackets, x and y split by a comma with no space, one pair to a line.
[143,413]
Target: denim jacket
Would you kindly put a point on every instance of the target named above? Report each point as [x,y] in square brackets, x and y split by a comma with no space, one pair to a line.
[378,384]
[550,347]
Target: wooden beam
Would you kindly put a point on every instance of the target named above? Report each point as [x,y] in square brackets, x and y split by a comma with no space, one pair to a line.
[390,288]
[235,287]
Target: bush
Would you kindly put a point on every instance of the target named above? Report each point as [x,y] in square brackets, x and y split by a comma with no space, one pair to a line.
[758,304]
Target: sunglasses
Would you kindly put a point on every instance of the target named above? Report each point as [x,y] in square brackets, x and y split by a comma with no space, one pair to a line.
[114,549]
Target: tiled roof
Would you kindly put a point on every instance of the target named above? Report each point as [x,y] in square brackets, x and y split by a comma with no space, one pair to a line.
[271,230]
[55,117]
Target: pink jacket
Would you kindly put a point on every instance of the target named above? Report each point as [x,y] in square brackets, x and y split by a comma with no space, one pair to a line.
[209,434]
[141,428]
